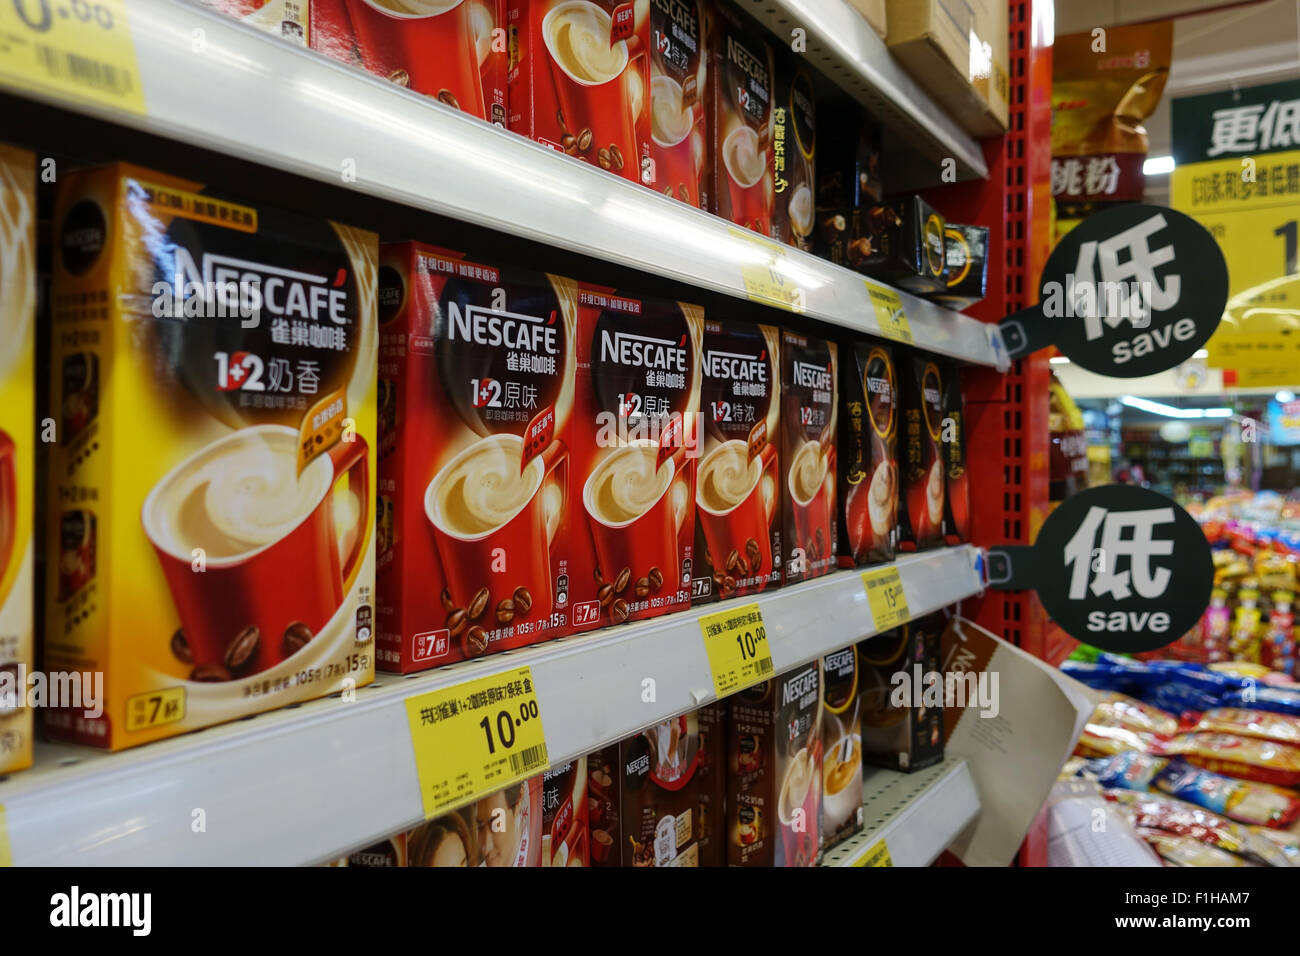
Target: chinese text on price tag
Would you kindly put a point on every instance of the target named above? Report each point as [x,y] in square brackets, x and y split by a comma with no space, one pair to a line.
[76,49]
[767,282]
[890,314]
[885,595]
[475,738]
[736,642]
[878,855]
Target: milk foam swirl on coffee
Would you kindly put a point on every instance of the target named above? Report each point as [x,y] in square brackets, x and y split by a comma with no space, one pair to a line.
[726,477]
[418,8]
[627,484]
[670,121]
[578,37]
[744,159]
[807,471]
[484,489]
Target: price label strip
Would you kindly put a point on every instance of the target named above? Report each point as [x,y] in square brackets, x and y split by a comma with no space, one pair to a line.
[74,49]
[766,282]
[885,596]
[6,855]
[736,642]
[891,317]
[878,855]
[472,739]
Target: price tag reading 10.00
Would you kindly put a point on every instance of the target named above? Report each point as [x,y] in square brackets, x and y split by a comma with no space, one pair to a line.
[77,49]
[475,738]
[736,642]
[885,596]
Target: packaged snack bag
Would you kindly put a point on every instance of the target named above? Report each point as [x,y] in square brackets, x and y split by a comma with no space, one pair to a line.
[1255,803]
[1161,812]
[1187,851]
[1128,770]
[1250,723]
[1120,710]
[1244,757]
[1100,740]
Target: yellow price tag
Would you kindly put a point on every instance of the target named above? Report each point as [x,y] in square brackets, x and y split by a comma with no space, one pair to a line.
[75,49]
[6,854]
[878,855]
[475,738]
[891,317]
[767,282]
[885,595]
[736,642]
[158,707]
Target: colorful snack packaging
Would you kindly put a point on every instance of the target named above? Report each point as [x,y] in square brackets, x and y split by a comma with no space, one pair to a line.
[1244,757]
[1128,770]
[1122,711]
[1250,723]
[1187,851]
[1255,803]
[1100,740]
[1160,812]
[1275,699]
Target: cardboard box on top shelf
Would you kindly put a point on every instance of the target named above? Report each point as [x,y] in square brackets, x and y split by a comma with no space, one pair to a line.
[957,50]
[874,12]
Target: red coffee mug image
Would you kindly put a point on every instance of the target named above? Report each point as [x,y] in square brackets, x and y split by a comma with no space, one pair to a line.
[472,535]
[730,529]
[676,151]
[593,93]
[642,541]
[295,576]
[814,512]
[8,503]
[750,190]
[800,832]
[428,45]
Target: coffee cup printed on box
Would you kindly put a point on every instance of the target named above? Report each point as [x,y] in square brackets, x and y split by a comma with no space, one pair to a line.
[565,815]
[841,748]
[868,461]
[635,443]
[794,154]
[17,447]
[737,486]
[679,78]
[774,789]
[245,336]
[481,360]
[580,81]
[909,736]
[287,19]
[808,455]
[451,50]
[740,152]
[924,497]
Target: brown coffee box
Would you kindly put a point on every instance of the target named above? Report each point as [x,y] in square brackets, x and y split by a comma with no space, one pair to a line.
[921,464]
[632,455]
[807,455]
[580,81]
[712,784]
[902,720]
[774,765]
[841,732]
[679,97]
[478,363]
[645,797]
[233,537]
[740,152]
[565,833]
[965,266]
[501,829]
[452,50]
[287,19]
[905,245]
[737,485]
[848,180]
[794,154]
[17,451]
[868,455]
[956,502]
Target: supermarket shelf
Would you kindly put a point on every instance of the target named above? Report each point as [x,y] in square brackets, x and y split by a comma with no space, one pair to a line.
[295,110]
[312,781]
[917,814]
[844,46]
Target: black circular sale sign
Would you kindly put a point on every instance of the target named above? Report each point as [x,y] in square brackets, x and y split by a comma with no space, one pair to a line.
[1118,567]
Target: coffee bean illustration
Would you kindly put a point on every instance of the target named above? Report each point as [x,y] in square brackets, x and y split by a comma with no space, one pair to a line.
[209,674]
[296,636]
[505,611]
[242,647]
[656,578]
[618,611]
[478,605]
[181,647]
[523,600]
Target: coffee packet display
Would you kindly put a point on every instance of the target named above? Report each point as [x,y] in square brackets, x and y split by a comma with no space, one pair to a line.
[921,465]
[868,456]
[742,91]
[956,501]
[902,716]
[451,50]
[479,362]
[287,19]
[848,180]
[841,748]
[807,455]
[645,797]
[711,784]
[679,97]
[774,762]
[580,81]
[633,451]
[216,514]
[17,451]
[565,833]
[737,486]
[903,245]
[965,266]
[794,154]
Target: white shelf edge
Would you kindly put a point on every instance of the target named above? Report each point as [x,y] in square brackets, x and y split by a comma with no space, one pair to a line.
[918,815]
[307,783]
[298,111]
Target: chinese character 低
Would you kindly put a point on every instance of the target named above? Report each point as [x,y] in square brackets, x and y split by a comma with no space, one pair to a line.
[1139,546]
[1139,265]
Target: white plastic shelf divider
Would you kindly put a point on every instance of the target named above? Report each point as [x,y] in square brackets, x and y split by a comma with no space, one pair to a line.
[918,815]
[254,95]
[312,781]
